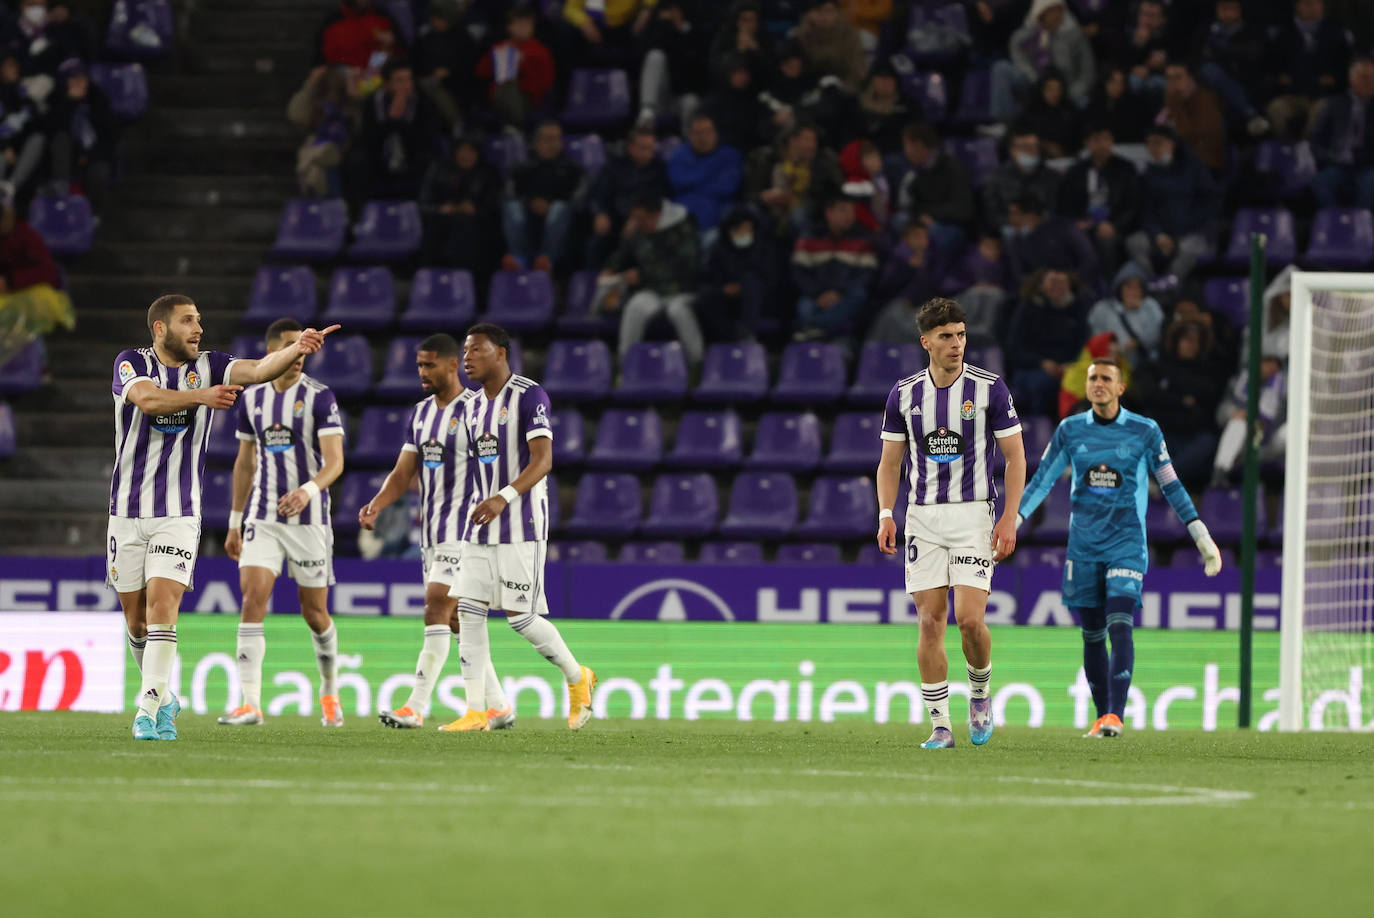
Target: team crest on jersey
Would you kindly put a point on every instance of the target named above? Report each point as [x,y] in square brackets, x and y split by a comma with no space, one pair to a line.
[966,411]
[943,445]
[452,425]
[126,371]
[1124,451]
[298,409]
[277,438]
[432,453]
[501,418]
[487,448]
[192,379]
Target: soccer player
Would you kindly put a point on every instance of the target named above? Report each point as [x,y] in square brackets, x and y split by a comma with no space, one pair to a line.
[945,420]
[163,397]
[1111,453]
[436,450]
[507,533]
[290,452]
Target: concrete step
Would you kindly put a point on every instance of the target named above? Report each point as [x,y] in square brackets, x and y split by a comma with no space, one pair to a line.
[113,306]
[265,191]
[229,124]
[64,462]
[187,259]
[45,495]
[277,24]
[289,60]
[85,392]
[148,156]
[87,428]
[221,89]
[106,332]
[314,7]
[65,533]
[137,223]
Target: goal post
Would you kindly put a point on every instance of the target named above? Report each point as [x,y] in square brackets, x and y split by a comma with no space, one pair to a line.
[1327,602]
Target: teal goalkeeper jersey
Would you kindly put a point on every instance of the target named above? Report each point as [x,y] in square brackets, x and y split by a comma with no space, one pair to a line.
[1108,487]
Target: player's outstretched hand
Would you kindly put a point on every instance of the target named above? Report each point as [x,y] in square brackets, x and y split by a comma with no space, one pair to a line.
[367,517]
[312,340]
[233,544]
[222,398]
[1003,539]
[488,509]
[887,536]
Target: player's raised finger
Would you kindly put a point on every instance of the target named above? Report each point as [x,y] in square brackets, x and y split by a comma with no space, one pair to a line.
[330,330]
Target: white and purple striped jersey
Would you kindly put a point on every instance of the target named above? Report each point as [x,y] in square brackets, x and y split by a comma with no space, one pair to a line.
[951,433]
[160,460]
[440,440]
[499,434]
[286,427]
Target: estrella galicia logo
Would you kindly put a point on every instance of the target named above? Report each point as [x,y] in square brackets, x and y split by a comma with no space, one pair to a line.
[173,423]
[487,448]
[944,444]
[1102,479]
[672,600]
[432,453]
[277,438]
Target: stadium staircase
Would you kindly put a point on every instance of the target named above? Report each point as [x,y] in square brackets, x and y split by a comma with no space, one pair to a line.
[202,179]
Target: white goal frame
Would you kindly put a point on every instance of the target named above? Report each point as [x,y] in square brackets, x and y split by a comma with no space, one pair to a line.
[1304,284]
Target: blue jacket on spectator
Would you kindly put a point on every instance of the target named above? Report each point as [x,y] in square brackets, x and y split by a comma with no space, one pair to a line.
[706,184]
[1181,198]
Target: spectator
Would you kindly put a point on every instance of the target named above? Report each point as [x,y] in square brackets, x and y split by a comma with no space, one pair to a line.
[1073,389]
[1036,241]
[705,174]
[1181,394]
[358,35]
[868,16]
[520,69]
[789,85]
[1310,55]
[790,175]
[1144,49]
[1049,37]
[1135,317]
[1275,323]
[21,130]
[605,33]
[741,34]
[1230,59]
[1047,331]
[537,214]
[1342,140]
[992,24]
[883,113]
[736,108]
[935,191]
[910,277]
[326,109]
[1182,203]
[396,139]
[865,182]
[1196,115]
[1273,418]
[460,202]
[623,180]
[83,130]
[1053,118]
[833,270]
[832,45]
[49,34]
[981,279]
[1117,107]
[1102,193]
[24,257]
[441,51]
[1023,171]
[673,73]
[659,261]
[735,291]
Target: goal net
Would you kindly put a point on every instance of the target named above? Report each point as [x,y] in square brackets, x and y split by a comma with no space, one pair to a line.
[1327,656]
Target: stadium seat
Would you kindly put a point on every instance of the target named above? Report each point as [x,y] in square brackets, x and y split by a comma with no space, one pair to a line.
[946,19]
[399,376]
[840,508]
[1036,432]
[731,553]
[1054,518]
[1342,237]
[1286,166]
[812,372]
[763,505]
[569,438]
[386,231]
[520,300]
[217,499]
[140,29]
[597,100]
[1274,222]
[577,316]
[707,440]
[584,552]
[809,553]
[344,365]
[733,373]
[975,100]
[506,150]
[587,151]
[440,298]
[65,222]
[786,442]
[354,491]
[928,90]
[8,438]
[24,371]
[126,85]
[986,358]
[1162,523]
[978,156]
[652,553]
[870,553]
[653,371]
[381,431]
[252,346]
[628,440]
[683,506]
[880,366]
[607,506]
[311,229]
[577,370]
[282,292]
[1229,297]
[403,14]
[222,445]
[1224,511]
[1040,556]
[361,299]
[855,443]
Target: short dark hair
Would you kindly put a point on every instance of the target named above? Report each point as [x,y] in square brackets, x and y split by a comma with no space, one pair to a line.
[641,130]
[497,335]
[441,345]
[165,305]
[1030,201]
[937,311]
[1161,130]
[520,11]
[281,327]
[390,68]
[1106,362]
[647,199]
[1098,127]
[1024,128]
[702,114]
[923,133]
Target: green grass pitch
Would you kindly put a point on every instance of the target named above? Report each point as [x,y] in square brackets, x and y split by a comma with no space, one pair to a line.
[692,819]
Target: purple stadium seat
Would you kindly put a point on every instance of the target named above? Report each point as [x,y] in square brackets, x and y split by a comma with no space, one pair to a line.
[218,498]
[24,371]
[786,442]
[381,432]
[587,151]
[763,505]
[1290,166]
[731,553]
[880,366]
[520,300]
[1342,237]
[577,316]
[126,85]
[399,377]
[282,292]
[809,553]
[733,373]
[986,358]
[223,443]
[140,29]
[1274,222]
[707,440]
[627,439]
[569,438]
[311,229]
[840,508]
[684,506]
[947,19]
[440,298]
[855,443]
[870,553]
[1229,297]
[8,437]
[607,505]
[1040,555]
[1223,509]
[386,231]
[403,15]
[344,365]
[1162,523]
[65,222]
[361,299]
[653,371]
[1054,518]
[928,90]
[248,346]
[978,156]
[586,552]
[975,100]
[577,370]
[506,150]
[354,491]
[652,553]
[597,100]
[812,372]
[1036,432]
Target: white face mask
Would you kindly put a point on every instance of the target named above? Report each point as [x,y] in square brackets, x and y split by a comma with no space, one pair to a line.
[742,242]
[35,15]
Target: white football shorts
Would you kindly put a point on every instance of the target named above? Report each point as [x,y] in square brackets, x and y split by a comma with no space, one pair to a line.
[442,562]
[307,549]
[949,545]
[505,577]
[141,548]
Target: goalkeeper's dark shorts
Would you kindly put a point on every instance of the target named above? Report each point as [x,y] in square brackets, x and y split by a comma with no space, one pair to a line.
[1087,584]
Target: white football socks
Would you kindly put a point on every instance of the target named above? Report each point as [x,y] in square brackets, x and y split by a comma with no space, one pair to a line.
[136,646]
[158,658]
[327,659]
[540,632]
[495,692]
[475,654]
[978,681]
[433,656]
[252,647]
[936,695]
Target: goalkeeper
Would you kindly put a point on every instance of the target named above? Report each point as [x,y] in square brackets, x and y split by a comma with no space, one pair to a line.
[1110,451]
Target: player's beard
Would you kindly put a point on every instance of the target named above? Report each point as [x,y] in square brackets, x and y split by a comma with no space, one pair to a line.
[178,347]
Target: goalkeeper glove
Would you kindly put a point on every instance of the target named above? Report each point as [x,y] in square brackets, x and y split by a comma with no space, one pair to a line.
[1211,555]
